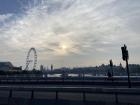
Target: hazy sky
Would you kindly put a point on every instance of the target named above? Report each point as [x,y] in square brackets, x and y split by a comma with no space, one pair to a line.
[69,32]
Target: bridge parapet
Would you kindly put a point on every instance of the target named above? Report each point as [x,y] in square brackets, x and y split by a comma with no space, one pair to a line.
[116,95]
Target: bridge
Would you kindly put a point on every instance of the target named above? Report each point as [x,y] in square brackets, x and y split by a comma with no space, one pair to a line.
[74,89]
[82,94]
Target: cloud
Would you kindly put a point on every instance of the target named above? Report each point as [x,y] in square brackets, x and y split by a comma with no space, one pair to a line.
[4,18]
[83,26]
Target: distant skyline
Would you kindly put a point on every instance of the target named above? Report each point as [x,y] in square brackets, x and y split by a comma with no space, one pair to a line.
[69,32]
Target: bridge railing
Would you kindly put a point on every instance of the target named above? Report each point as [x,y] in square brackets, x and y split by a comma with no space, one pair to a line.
[116,95]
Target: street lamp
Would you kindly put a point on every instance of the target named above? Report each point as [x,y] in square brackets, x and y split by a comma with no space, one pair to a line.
[125,57]
[111,66]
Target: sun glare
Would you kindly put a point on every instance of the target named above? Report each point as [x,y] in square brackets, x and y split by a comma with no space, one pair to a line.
[64,47]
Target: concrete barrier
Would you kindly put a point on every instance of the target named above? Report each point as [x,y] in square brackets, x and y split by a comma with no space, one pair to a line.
[45,95]
[70,96]
[113,95]
[21,94]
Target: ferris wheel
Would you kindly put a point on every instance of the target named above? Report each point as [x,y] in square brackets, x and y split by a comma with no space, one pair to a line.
[32,60]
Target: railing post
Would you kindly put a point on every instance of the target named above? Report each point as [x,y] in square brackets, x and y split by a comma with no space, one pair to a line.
[84,96]
[116,98]
[56,97]
[10,96]
[32,97]
[32,94]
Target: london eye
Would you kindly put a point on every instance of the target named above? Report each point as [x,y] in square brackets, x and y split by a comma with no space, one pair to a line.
[31,59]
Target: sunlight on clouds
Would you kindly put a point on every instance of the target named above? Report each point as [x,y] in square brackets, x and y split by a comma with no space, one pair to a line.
[66,47]
[37,27]
[63,49]
[66,27]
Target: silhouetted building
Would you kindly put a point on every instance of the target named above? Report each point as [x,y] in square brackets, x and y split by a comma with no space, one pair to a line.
[120,64]
[6,66]
[17,68]
[51,67]
[42,68]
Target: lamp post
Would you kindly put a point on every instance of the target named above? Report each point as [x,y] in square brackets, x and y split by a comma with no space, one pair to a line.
[125,57]
[111,66]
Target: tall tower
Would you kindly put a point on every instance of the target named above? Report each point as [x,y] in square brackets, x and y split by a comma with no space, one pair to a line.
[41,67]
[51,67]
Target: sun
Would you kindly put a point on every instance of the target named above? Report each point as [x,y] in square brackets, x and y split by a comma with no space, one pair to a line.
[64,47]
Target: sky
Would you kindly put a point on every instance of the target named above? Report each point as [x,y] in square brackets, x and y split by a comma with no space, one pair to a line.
[70,33]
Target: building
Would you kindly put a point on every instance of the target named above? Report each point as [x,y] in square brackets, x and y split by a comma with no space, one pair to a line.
[42,68]
[6,66]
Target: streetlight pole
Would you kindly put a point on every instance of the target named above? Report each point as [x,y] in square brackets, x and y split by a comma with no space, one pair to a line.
[111,66]
[125,57]
[127,67]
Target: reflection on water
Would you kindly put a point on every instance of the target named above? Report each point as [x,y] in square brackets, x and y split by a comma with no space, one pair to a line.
[54,75]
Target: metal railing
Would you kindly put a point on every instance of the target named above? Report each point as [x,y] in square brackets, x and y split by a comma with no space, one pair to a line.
[116,92]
